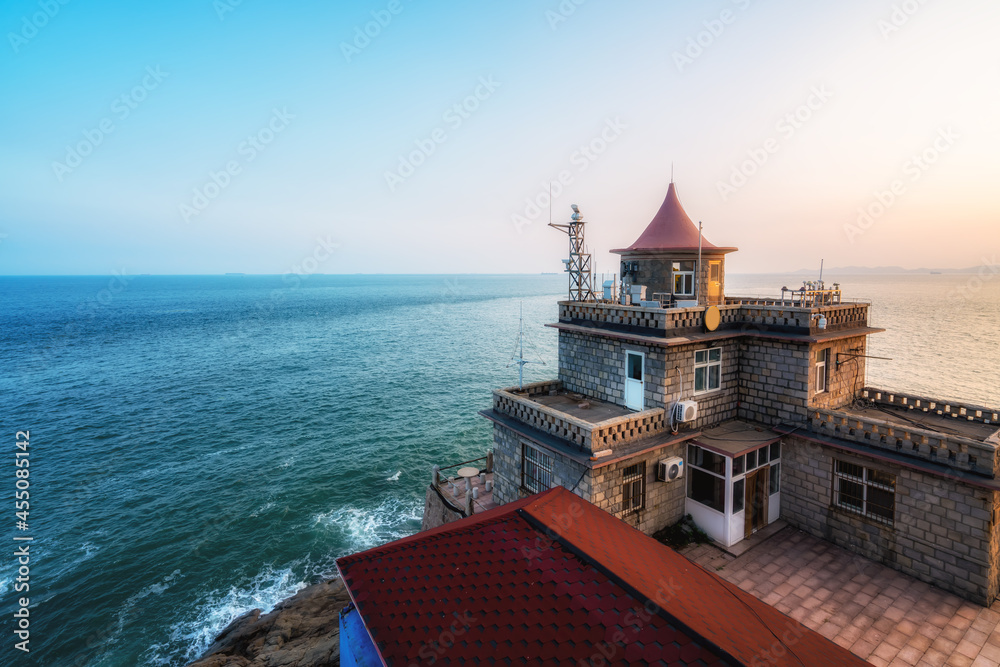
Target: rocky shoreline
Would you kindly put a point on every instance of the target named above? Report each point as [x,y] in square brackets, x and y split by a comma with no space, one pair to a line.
[302,631]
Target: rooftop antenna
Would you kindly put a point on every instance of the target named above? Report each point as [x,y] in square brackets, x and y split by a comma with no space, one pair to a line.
[578,266]
[521,361]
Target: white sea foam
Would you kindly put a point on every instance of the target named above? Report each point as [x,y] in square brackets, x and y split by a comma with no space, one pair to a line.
[394,478]
[366,527]
[190,638]
[260,510]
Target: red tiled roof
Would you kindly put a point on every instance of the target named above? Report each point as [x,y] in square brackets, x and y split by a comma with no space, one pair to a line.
[671,229]
[553,579]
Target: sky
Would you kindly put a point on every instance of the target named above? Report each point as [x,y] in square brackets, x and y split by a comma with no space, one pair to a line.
[405,136]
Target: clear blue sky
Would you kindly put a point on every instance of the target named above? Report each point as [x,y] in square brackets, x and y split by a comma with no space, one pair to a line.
[311,129]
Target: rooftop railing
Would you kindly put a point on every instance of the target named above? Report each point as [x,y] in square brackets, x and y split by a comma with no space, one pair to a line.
[955,451]
[588,436]
[954,409]
[736,313]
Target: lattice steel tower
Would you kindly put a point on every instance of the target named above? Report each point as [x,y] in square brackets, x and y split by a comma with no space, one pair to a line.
[581,285]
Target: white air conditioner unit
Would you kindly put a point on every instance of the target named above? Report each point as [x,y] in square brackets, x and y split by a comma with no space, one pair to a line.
[670,469]
[685,411]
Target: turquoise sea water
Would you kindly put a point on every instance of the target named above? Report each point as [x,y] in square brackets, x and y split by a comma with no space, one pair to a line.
[201,446]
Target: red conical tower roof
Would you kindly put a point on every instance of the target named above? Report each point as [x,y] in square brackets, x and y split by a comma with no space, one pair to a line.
[671,229]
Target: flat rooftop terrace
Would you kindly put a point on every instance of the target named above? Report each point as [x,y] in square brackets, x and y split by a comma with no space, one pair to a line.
[580,407]
[931,421]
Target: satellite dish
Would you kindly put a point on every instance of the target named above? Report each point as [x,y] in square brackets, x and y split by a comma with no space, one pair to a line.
[712,318]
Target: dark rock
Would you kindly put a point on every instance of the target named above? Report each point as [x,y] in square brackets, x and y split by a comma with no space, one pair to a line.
[302,631]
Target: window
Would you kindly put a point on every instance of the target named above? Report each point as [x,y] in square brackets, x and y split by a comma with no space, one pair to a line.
[634,369]
[706,476]
[715,271]
[536,470]
[634,488]
[706,460]
[738,495]
[870,493]
[738,464]
[774,479]
[707,370]
[822,356]
[707,489]
[683,278]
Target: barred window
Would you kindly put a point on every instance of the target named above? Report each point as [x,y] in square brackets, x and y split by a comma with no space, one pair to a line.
[536,470]
[870,493]
[634,488]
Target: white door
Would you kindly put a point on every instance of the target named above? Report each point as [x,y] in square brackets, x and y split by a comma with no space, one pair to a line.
[634,380]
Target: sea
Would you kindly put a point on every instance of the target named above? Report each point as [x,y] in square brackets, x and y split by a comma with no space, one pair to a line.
[205,445]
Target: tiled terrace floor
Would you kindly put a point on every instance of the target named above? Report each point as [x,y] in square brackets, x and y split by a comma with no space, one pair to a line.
[881,615]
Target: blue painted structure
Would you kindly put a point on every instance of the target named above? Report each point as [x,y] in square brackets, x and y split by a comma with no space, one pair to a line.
[356,647]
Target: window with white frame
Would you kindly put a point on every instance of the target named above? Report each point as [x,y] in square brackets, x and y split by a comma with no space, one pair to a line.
[822,359]
[707,370]
[706,478]
[634,488]
[683,278]
[536,470]
[865,491]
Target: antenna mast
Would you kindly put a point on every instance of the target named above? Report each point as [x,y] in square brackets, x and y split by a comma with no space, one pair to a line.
[578,266]
[521,361]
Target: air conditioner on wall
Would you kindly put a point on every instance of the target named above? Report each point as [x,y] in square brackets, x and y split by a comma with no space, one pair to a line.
[685,411]
[670,469]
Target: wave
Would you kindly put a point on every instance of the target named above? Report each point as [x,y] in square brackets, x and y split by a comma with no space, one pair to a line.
[190,638]
[394,478]
[363,528]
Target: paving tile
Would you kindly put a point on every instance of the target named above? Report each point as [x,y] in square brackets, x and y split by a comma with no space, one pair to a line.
[944,645]
[958,660]
[968,649]
[909,655]
[862,648]
[882,615]
[885,651]
[919,641]
[898,639]
[933,657]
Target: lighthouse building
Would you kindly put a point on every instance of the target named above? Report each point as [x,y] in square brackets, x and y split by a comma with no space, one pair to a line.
[674,398]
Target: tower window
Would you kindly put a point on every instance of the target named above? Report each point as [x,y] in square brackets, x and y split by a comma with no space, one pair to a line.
[683,273]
